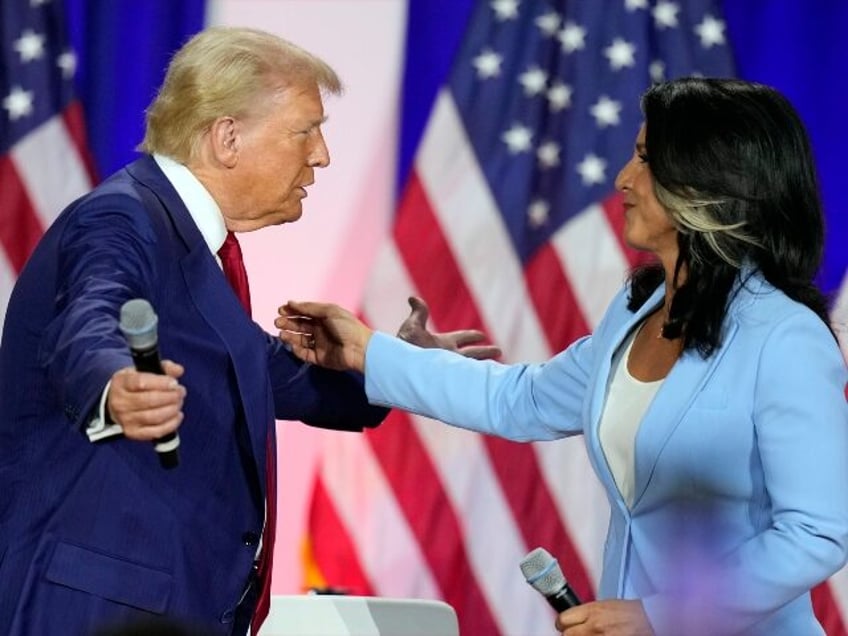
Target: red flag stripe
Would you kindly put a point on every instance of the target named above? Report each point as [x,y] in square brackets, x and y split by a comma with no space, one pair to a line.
[335,555]
[418,490]
[20,227]
[828,611]
[554,299]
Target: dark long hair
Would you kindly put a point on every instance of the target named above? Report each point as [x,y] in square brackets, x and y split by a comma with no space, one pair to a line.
[732,164]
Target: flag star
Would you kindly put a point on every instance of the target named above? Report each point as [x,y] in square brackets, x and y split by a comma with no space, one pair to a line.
[559,96]
[18,103]
[533,80]
[592,169]
[548,23]
[657,71]
[606,112]
[548,154]
[488,64]
[665,14]
[711,31]
[632,5]
[67,61]
[538,212]
[572,37]
[30,46]
[505,9]
[517,139]
[620,54]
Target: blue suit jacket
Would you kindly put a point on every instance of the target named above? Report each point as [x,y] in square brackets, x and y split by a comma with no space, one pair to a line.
[99,532]
[741,484]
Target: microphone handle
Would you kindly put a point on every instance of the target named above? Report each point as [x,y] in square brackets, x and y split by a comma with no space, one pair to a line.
[564,599]
[147,360]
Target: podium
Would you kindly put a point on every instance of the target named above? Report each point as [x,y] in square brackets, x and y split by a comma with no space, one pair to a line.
[330,615]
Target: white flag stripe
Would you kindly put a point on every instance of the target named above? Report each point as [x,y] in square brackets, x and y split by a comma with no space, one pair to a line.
[474,228]
[491,538]
[586,243]
[387,290]
[50,168]
[368,509]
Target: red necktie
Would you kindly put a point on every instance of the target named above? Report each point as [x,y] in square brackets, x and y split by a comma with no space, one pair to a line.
[233,266]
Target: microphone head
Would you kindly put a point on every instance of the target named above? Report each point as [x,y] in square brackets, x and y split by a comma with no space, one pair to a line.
[138,323]
[542,571]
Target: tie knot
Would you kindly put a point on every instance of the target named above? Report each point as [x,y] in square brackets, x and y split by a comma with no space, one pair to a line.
[233,265]
[230,248]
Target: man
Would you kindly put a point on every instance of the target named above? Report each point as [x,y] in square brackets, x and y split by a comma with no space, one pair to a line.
[92,529]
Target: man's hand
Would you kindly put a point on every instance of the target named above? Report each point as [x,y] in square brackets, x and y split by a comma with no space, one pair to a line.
[146,405]
[610,618]
[464,341]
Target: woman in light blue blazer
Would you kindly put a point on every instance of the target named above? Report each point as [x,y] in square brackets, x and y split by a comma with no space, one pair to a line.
[711,395]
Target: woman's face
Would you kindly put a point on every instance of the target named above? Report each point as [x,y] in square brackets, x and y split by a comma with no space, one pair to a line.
[647,225]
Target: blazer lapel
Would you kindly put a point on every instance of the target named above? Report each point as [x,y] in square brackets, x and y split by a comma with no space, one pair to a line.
[668,408]
[601,385]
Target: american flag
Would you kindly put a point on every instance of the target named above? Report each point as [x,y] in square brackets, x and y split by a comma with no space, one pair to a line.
[44,160]
[509,222]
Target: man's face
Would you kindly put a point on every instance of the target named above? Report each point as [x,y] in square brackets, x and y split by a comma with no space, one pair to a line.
[279,148]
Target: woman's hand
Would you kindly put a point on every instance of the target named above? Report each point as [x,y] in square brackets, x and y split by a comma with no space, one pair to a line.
[607,618]
[463,341]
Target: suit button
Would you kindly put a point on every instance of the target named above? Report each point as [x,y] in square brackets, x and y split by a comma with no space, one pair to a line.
[227,617]
[250,539]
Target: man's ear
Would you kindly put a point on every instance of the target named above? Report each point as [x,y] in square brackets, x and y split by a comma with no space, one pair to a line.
[225,141]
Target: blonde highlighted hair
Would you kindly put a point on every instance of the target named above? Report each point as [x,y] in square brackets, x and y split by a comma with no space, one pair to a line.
[225,71]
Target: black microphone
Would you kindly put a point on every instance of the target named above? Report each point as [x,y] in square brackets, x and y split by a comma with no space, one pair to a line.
[138,324]
[542,571]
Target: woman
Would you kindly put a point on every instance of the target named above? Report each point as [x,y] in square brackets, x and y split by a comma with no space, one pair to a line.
[711,393]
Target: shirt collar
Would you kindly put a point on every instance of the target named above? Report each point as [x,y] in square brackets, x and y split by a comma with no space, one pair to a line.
[201,206]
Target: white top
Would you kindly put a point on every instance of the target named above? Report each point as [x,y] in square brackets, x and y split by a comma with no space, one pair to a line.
[627,401]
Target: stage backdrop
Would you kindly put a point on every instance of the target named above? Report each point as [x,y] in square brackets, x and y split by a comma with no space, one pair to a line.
[417,510]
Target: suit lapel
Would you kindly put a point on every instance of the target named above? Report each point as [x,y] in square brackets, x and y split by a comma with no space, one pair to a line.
[218,305]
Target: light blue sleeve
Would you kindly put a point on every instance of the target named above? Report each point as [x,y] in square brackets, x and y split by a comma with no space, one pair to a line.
[521,402]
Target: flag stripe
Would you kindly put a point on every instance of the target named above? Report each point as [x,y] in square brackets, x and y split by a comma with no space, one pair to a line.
[367,507]
[50,168]
[419,492]
[20,226]
[554,299]
[331,545]
[469,218]
[462,459]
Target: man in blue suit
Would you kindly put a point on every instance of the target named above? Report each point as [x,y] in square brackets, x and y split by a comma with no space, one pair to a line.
[92,529]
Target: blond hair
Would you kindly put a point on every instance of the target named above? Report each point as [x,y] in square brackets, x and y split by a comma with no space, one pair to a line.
[225,71]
